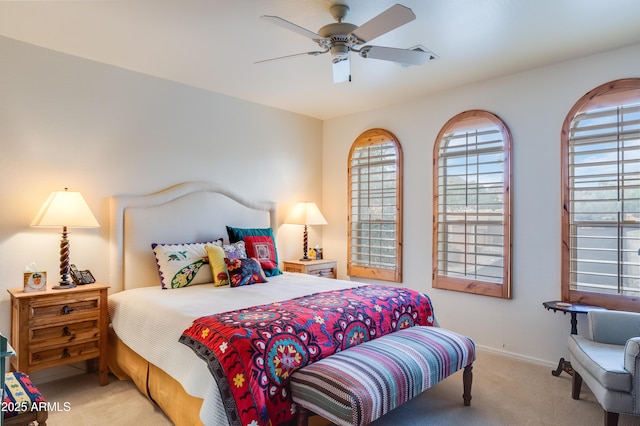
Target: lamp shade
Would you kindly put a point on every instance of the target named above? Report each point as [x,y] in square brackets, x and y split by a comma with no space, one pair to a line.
[306,214]
[65,208]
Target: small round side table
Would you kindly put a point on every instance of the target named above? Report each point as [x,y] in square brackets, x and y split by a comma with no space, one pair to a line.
[574,309]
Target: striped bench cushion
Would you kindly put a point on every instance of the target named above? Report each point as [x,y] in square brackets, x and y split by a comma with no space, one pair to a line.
[364,382]
[20,395]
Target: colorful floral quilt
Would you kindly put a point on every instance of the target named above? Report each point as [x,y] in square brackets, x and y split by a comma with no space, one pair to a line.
[253,352]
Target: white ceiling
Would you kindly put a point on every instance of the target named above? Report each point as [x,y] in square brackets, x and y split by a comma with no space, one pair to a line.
[213,44]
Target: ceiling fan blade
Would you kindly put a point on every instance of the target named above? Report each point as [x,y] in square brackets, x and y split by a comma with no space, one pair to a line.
[416,56]
[315,53]
[293,27]
[388,20]
[342,70]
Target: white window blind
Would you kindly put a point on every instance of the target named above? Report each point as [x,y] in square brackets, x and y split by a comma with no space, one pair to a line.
[604,196]
[373,197]
[470,205]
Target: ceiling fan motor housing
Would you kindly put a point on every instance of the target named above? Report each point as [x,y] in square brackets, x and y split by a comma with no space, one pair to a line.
[337,37]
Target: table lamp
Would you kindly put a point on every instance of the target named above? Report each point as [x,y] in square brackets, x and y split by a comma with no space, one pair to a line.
[65,209]
[305,214]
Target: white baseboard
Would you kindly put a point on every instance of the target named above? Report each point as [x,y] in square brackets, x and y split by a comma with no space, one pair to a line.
[517,356]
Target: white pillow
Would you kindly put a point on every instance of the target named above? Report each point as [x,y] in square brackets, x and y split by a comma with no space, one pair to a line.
[181,265]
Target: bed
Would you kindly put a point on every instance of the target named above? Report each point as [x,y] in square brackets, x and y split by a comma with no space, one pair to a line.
[149,324]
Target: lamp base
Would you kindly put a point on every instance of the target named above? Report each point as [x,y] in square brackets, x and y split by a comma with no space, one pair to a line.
[64,287]
[305,259]
[64,283]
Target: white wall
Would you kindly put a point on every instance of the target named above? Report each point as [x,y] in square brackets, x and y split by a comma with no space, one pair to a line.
[100,130]
[534,105]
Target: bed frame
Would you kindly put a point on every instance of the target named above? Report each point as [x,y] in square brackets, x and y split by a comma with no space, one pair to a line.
[191,211]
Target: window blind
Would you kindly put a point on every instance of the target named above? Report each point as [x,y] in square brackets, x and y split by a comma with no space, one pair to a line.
[604,196]
[373,197]
[470,205]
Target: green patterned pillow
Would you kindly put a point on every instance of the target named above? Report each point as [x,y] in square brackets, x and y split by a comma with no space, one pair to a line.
[238,234]
[181,265]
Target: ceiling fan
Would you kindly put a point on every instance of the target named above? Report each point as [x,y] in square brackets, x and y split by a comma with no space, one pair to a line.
[341,38]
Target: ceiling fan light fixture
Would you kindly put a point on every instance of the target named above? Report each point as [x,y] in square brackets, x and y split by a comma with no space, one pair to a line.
[339,52]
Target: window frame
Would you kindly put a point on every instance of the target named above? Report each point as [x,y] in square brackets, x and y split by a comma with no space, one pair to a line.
[369,138]
[470,285]
[609,95]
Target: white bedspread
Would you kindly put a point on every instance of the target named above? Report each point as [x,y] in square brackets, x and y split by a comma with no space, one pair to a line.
[151,320]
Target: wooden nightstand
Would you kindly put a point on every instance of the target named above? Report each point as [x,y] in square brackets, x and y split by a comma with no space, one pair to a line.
[57,327]
[320,268]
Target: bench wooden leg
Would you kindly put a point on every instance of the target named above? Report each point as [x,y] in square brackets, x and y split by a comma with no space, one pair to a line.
[302,416]
[467,380]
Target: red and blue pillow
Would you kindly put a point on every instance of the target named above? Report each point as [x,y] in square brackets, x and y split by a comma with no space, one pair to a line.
[244,272]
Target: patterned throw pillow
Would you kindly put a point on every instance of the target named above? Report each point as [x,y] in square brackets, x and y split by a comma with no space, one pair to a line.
[237,250]
[238,234]
[217,255]
[262,249]
[244,272]
[181,265]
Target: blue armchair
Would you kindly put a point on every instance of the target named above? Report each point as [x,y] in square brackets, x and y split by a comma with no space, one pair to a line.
[608,360]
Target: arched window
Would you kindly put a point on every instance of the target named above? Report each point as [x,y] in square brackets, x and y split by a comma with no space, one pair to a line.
[375,207]
[600,148]
[472,205]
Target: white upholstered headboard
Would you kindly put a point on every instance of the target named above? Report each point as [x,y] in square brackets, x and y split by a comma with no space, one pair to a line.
[188,212]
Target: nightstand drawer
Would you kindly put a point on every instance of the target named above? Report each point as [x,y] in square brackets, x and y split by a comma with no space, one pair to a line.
[64,333]
[45,357]
[44,311]
[298,269]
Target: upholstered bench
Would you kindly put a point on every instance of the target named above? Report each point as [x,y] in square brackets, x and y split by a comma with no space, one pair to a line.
[360,384]
[22,402]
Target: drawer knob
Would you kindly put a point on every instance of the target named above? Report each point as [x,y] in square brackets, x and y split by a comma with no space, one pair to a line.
[66,310]
[66,332]
[65,353]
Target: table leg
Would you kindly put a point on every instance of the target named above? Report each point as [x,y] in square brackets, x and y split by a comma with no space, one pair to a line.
[574,323]
[563,365]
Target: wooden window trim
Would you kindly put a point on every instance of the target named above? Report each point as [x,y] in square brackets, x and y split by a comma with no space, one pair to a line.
[368,138]
[504,290]
[603,95]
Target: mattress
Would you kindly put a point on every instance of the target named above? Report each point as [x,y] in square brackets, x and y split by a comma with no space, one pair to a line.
[150,321]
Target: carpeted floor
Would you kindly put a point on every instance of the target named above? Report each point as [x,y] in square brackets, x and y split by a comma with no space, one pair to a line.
[505,391]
